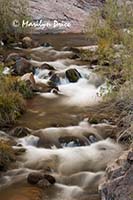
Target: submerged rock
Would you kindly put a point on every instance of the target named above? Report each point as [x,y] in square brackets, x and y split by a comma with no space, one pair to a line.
[119,179]
[73,75]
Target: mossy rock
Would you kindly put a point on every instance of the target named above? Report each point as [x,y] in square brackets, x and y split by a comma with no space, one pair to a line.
[73,75]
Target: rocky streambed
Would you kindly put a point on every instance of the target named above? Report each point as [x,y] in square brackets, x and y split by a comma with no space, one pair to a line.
[59,154]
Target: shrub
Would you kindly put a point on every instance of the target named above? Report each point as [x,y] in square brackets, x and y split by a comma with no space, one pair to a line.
[11,10]
[112,28]
[24,89]
[11,101]
[7,155]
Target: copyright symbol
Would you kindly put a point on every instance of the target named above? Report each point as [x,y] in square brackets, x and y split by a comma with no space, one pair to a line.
[16,23]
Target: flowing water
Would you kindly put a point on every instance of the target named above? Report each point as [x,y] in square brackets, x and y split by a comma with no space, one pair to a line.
[54,116]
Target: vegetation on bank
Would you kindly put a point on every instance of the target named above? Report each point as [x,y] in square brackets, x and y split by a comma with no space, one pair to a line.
[12,99]
[12,13]
[7,155]
[112,28]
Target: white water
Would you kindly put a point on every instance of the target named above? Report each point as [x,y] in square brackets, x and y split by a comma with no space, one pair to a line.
[86,91]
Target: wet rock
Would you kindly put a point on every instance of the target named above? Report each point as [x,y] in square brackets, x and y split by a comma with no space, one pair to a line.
[21,67]
[119,180]
[41,179]
[55,79]
[73,75]
[19,132]
[47,66]
[34,178]
[27,42]
[50,178]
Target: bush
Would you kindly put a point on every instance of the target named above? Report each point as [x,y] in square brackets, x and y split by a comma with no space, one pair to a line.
[112,28]
[7,155]
[11,10]
[24,89]
[11,101]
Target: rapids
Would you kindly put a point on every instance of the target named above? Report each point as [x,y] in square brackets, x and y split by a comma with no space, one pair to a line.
[57,120]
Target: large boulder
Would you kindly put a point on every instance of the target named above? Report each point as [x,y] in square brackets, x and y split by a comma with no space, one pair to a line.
[119,179]
[21,67]
[73,75]
[27,42]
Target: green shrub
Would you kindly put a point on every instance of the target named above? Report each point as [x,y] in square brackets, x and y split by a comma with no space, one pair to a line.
[7,155]
[11,10]
[112,27]
[11,101]
[24,89]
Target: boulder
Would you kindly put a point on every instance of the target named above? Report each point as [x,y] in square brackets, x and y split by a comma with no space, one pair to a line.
[73,75]
[13,57]
[37,86]
[29,79]
[21,67]
[119,180]
[27,42]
